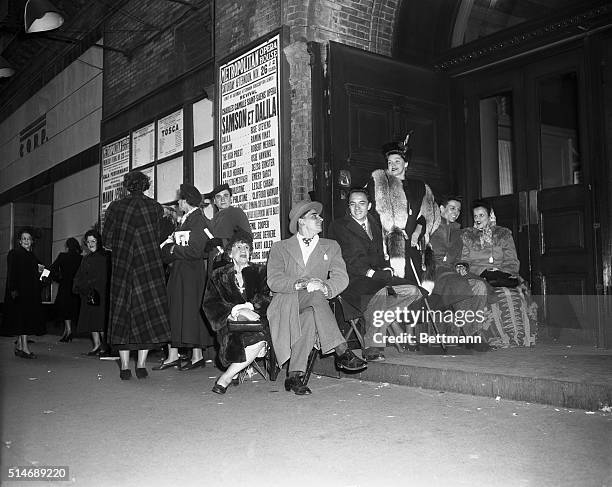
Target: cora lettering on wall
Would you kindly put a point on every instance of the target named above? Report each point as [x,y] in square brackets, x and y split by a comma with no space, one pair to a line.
[33,136]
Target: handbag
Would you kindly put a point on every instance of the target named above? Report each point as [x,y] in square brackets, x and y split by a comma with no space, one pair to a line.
[93,298]
[243,326]
[499,278]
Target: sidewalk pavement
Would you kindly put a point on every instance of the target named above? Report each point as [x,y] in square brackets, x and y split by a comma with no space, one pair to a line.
[572,376]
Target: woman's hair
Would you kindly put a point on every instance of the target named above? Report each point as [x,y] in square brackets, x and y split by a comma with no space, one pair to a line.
[240,237]
[482,204]
[29,230]
[136,182]
[72,244]
[95,234]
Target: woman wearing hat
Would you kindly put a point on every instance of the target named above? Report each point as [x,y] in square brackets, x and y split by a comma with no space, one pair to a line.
[407,210]
[228,219]
[185,254]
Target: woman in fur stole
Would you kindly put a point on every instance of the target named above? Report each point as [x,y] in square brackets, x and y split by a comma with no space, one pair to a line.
[490,253]
[238,291]
[407,209]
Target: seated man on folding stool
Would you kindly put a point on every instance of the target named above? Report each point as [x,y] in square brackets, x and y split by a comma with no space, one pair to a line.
[304,272]
[360,237]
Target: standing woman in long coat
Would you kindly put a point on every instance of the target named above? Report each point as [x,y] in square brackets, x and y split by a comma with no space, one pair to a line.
[138,301]
[22,301]
[63,270]
[187,260]
[93,276]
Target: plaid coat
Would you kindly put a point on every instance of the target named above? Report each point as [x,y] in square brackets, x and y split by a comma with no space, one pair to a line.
[138,302]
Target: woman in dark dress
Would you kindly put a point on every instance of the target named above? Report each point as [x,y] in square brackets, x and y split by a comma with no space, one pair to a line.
[238,292]
[63,271]
[93,276]
[22,301]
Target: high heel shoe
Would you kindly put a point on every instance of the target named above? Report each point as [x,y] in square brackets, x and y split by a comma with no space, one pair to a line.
[219,389]
[195,365]
[66,338]
[22,354]
[163,366]
[125,374]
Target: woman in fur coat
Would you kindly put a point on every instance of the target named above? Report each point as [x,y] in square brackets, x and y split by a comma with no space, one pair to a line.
[238,292]
[407,211]
[489,251]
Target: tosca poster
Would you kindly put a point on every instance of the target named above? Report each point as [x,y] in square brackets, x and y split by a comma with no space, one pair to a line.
[115,163]
[249,142]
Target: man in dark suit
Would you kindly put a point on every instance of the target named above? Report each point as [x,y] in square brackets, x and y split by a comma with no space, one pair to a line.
[372,288]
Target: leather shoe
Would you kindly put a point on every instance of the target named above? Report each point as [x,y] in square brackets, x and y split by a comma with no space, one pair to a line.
[294,383]
[163,366]
[125,374]
[141,372]
[195,365]
[219,389]
[349,361]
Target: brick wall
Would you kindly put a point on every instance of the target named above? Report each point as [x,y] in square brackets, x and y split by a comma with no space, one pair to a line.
[366,24]
[163,41]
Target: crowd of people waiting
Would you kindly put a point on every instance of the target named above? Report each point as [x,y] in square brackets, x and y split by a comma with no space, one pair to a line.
[149,281]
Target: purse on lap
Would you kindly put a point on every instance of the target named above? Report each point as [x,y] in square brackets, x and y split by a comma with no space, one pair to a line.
[241,325]
[499,279]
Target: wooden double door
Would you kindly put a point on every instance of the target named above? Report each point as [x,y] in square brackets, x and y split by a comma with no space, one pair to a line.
[516,137]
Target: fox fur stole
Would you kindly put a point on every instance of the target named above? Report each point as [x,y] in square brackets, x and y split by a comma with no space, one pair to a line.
[392,206]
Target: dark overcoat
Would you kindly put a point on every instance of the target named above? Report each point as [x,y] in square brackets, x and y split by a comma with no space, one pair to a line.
[360,253]
[222,294]
[285,266]
[186,284]
[93,273]
[138,301]
[23,315]
[63,270]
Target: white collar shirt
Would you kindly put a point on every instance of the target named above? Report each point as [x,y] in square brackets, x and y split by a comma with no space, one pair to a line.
[307,249]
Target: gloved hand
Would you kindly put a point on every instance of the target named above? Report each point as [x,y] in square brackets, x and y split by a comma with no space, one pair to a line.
[384,276]
[213,243]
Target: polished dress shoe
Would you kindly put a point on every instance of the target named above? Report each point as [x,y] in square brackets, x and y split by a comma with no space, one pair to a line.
[125,374]
[195,365]
[349,361]
[294,383]
[163,366]
[141,372]
[219,389]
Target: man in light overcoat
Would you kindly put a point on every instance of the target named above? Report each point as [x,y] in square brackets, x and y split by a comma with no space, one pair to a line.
[304,272]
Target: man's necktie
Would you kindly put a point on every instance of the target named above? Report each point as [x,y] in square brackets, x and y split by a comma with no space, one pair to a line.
[307,241]
[365,229]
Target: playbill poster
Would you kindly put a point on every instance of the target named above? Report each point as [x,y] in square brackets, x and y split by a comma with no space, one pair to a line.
[248,134]
[115,163]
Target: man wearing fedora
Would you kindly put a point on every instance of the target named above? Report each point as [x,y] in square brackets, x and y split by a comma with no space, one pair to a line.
[185,254]
[304,272]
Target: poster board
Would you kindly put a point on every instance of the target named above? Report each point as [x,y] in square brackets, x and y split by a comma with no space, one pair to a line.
[115,163]
[249,138]
[143,145]
[170,134]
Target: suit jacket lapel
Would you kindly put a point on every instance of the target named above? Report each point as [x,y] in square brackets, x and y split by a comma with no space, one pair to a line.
[294,250]
[356,228]
[317,255]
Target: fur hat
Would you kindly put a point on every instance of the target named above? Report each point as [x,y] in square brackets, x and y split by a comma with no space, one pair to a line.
[299,210]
